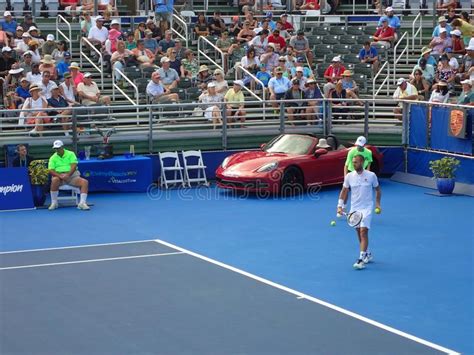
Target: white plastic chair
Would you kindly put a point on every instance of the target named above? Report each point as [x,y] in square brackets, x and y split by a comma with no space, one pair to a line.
[73,197]
[188,15]
[171,165]
[190,165]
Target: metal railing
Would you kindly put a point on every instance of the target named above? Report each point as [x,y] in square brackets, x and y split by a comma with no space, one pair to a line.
[115,86]
[386,80]
[179,22]
[416,32]
[68,38]
[239,69]
[203,44]
[171,121]
[100,68]
[405,51]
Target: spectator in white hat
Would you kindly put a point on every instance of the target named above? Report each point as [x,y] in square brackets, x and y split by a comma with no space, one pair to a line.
[466,69]
[38,116]
[169,76]
[333,74]
[220,82]
[393,21]
[89,92]
[17,39]
[62,166]
[442,23]
[404,91]
[49,46]
[467,95]
[458,46]
[12,80]
[385,35]
[98,34]
[358,149]
[6,61]
[8,25]
[211,102]
[26,62]
[439,44]
[235,103]
[22,46]
[440,92]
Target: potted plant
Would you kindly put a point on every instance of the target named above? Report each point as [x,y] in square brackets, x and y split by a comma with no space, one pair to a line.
[443,171]
[39,177]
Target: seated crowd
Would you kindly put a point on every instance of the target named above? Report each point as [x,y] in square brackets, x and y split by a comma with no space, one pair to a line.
[37,73]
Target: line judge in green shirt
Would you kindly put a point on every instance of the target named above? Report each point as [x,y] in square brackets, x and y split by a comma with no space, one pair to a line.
[63,169]
[359,149]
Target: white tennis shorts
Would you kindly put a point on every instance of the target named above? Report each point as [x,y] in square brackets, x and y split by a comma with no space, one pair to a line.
[366,219]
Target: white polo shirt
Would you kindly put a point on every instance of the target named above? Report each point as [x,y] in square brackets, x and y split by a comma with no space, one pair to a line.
[361,186]
[100,35]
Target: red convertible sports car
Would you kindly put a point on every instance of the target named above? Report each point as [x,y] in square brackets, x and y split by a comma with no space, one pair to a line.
[288,163]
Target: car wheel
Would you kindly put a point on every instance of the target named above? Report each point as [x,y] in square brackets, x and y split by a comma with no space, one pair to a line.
[292,182]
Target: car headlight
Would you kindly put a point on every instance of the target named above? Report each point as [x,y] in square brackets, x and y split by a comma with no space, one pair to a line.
[225,162]
[268,167]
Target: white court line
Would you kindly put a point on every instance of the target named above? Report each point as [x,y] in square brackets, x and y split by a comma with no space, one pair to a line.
[301,295]
[77,246]
[89,261]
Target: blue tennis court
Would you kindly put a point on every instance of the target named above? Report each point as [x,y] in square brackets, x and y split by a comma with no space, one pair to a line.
[204,271]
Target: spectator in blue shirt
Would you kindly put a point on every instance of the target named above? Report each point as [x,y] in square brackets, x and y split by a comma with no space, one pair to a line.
[393,21]
[368,54]
[272,24]
[8,24]
[263,75]
[63,66]
[426,53]
[62,108]
[442,23]
[278,86]
[22,92]
[150,42]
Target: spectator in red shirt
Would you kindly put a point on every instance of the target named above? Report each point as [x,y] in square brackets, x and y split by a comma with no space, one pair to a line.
[278,40]
[287,26]
[384,35]
[310,5]
[333,74]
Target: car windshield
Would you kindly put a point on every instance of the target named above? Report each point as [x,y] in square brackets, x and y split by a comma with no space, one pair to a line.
[290,144]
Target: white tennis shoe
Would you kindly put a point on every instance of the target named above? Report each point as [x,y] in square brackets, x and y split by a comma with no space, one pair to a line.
[83,206]
[359,264]
[367,258]
[53,206]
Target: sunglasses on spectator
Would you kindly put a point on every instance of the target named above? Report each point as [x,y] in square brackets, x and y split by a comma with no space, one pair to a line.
[282,60]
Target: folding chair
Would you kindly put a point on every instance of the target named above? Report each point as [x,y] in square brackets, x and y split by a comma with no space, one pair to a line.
[173,167]
[73,197]
[196,163]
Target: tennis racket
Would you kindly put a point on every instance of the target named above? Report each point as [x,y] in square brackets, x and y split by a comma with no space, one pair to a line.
[354,218]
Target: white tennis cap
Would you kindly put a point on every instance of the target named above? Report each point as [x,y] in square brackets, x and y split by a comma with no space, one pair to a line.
[50,37]
[58,144]
[211,85]
[467,81]
[361,141]
[7,13]
[400,81]
[239,82]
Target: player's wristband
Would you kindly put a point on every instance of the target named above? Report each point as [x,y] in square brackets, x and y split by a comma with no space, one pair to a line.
[340,203]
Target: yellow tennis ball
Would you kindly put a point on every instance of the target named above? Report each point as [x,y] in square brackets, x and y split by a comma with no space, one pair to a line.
[377,210]
[333,223]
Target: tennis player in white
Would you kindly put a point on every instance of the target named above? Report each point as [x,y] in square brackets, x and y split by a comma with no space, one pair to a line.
[361,184]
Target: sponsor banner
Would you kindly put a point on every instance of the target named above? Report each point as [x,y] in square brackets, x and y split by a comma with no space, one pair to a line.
[15,189]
